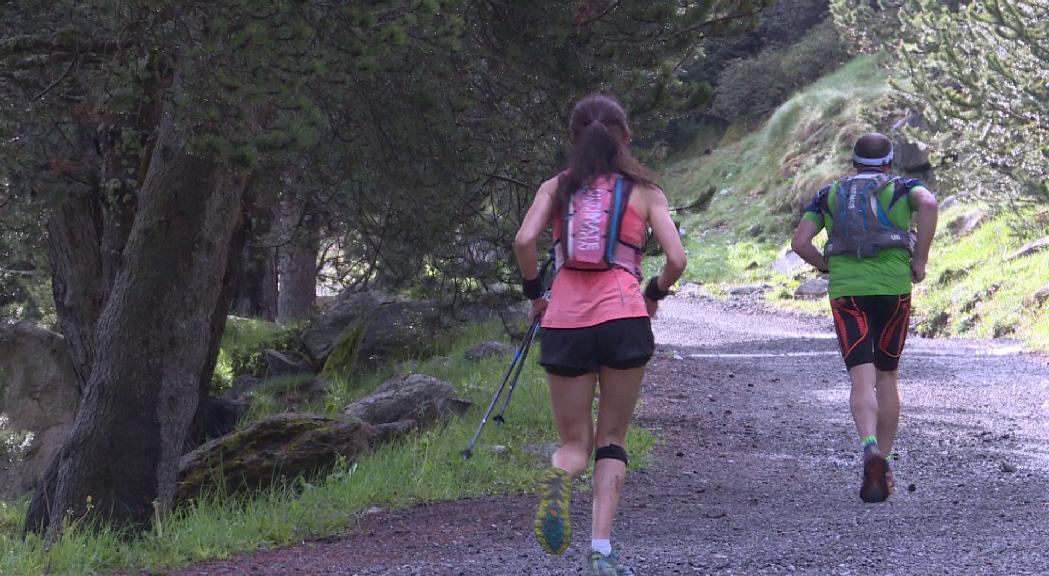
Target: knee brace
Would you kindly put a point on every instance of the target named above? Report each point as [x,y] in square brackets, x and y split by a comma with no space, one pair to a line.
[611,451]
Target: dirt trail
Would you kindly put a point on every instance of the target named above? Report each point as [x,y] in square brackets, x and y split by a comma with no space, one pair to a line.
[759,473]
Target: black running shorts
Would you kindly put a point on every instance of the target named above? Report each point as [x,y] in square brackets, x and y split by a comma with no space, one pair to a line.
[619,344]
[872,329]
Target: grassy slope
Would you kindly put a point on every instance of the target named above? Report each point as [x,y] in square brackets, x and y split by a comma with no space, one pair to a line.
[761,180]
[424,468]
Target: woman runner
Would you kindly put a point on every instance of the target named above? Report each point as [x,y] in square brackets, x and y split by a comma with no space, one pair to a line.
[596,324]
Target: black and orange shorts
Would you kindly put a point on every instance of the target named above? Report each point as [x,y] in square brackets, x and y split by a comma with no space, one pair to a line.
[872,329]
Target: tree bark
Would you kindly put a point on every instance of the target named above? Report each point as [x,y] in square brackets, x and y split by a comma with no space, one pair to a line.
[197,433]
[297,258]
[255,283]
[74,235]
[152,343]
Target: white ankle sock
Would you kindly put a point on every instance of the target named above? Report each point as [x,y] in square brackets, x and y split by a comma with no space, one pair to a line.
[602,546]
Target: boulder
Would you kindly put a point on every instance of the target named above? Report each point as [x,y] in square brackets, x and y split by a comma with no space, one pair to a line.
[487,350]
[948,203]
[1030,248]
[814,288]
[966,223]
[274,449]
[221,415]
[380,326]
[244,384]
[788,263]
[418,397]
[692,290]
[909,156]
[1042,295]
[280,364]
[748,289]
[39,395]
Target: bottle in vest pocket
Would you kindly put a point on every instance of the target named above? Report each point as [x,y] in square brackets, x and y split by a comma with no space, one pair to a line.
[589,236]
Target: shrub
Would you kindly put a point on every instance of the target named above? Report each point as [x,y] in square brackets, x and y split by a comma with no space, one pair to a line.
[752,88]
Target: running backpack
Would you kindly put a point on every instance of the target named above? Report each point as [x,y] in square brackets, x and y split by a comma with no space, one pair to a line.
[862,228]
[591,221]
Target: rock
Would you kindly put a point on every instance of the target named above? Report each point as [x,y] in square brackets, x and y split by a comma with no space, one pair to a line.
[244,384]
[752,266]
[418,397]
[280,364]
[39,395]
[748,289]
[908,156]
[692,290]
[948,202]
[317,386]
[274,449]
[1008,468]
[1030,248]
[966,223]
[814,288]
[221,415]
[541,451]
[498,450]
[487,350]
[1042,295]
[755,231]
[379,325]
[788,263]
[911,487]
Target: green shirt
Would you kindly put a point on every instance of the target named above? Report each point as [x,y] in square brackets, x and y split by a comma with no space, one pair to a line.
[887,273]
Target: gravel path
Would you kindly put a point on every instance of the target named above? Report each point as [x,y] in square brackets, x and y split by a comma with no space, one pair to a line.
[759,473]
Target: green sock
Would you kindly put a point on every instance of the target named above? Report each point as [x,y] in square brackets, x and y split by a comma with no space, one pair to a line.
[870,442]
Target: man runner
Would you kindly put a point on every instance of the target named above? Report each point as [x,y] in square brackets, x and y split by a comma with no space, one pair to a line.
[872,258]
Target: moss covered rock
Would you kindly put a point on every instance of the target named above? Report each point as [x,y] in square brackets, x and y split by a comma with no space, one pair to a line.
[271,450]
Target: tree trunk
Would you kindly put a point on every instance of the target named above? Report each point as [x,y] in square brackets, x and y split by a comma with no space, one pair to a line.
[120,459]
[197,433]
[255,284]
[297,258]
[74,235]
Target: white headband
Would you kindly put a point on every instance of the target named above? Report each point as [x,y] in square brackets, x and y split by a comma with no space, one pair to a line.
[883,161]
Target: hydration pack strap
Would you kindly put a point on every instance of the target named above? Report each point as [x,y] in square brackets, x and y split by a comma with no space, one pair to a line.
[620,200]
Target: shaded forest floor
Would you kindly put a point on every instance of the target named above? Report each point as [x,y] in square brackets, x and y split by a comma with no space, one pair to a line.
[758,472]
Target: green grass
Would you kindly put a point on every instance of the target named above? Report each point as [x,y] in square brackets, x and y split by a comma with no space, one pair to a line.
[423,468]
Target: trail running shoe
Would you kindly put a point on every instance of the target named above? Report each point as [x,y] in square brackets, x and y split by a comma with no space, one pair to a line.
[553,527]
[601,565]
[875,486]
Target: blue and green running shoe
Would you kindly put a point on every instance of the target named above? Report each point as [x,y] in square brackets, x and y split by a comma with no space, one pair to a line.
[601,565]
[553,527]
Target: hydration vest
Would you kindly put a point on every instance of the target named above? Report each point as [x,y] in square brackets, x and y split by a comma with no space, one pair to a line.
[862,228]
[591,222]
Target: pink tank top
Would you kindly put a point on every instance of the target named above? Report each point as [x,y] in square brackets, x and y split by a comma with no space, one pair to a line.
[581,298]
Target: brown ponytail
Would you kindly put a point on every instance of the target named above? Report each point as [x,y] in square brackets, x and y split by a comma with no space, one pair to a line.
[600,136]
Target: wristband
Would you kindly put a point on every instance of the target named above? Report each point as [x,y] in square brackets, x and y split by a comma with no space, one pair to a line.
[533,289]
[652,291]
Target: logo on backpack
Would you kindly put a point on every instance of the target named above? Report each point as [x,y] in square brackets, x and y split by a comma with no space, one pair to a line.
[590,224]
[862,227]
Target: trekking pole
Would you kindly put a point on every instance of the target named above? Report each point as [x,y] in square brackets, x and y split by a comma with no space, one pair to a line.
[499,392]
[530,337]
[518,363]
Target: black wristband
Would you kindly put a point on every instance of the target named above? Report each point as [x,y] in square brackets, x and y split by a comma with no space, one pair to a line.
[533,289]
[652,291]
